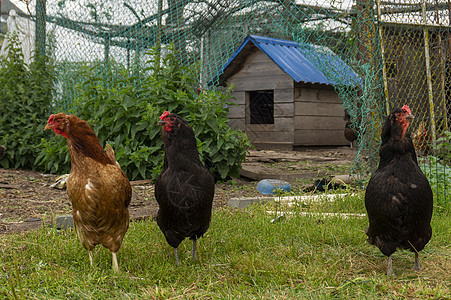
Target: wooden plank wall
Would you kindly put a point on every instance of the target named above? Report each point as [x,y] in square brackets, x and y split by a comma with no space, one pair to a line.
[318,117]
[259,72]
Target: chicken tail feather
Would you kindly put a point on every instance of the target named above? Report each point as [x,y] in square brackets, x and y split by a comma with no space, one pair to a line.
[110,152]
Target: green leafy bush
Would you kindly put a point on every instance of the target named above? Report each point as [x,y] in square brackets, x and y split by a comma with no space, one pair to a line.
[444,147]
[439,176]
[125,113]
[25,93]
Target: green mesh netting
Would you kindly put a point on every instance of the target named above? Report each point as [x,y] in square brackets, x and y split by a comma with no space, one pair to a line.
[400,49]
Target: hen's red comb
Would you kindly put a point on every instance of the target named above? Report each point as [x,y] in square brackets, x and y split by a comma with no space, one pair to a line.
[164,115]
[50,118]
[407,109]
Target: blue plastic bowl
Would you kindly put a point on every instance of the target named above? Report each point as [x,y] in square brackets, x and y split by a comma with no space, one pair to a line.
[269,186]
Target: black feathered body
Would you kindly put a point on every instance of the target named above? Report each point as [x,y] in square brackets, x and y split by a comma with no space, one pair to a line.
[398,197]
[185,188]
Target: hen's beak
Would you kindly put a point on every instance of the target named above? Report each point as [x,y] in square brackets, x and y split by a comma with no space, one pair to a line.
[161,122]
[48,126]
[410,117]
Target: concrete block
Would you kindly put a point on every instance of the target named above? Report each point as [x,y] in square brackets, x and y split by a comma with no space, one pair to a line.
[246,201]
[64,222]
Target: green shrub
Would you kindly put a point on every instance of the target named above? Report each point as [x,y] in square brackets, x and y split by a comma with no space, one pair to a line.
[125,112]
[444,147]
[25,93]
[439,176]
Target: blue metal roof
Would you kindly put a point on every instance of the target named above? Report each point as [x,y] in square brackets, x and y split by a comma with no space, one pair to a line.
[302,62]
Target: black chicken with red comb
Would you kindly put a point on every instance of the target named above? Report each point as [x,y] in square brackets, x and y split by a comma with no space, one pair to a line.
[398,197]
[185,188]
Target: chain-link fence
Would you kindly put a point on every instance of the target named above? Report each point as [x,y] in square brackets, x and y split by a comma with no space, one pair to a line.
[400,50]
[416,71]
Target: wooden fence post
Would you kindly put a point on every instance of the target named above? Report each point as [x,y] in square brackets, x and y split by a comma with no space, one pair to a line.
[428,75]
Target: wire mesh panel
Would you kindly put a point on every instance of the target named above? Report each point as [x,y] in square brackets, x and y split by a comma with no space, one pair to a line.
[400,51]
[416,51]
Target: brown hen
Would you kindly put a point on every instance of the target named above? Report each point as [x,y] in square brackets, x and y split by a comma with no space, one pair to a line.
[97,187]
[422,139]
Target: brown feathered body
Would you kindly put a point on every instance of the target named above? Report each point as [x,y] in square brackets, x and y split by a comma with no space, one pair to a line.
[422,139]
[98,189]
[349,132]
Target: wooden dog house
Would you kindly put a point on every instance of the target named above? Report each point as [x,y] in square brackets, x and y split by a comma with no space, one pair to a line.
[282,99]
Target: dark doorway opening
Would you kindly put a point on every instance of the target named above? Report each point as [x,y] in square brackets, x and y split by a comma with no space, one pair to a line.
[261,105]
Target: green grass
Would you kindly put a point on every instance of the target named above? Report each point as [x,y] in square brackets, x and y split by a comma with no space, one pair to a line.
[243,255]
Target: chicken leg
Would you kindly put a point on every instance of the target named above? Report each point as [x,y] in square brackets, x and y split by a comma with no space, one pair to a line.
[389,267]
[176,253]
[194,249]
[115,264]
[90,258]
[416,266]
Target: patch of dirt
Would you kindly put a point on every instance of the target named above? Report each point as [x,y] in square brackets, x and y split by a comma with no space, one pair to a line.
[26,198]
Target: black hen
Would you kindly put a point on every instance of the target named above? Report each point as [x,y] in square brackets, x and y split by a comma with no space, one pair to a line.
[185,188]
[398,197]
[2,151]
